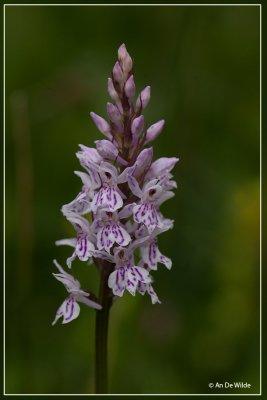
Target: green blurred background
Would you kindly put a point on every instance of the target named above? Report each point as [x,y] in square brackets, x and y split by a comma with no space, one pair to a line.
[203,66]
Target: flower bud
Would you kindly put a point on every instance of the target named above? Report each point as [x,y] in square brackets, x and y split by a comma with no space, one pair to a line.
[129,87]
[101,124]
[111,91]
[117,73]
[106,149]
[115,117]
[143,161]
[154,130]
[137,125]
[113,112]
[125,59]
[143,99]
[122,52]
[136,129]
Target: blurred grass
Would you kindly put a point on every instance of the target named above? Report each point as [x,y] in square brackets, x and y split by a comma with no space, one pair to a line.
[203,66]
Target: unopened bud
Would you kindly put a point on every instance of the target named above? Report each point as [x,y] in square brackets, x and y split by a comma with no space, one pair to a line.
[101,124]
[143,98]
[154,130]
[113,113]
[137,125]
[115,118]
[125,59]
[111,91]
[143,161]
[108,150]
[117,73]
[122,52]
[129,87]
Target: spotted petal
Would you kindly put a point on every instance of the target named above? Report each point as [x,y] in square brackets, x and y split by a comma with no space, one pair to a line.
[146,214]
[107,198]
[116,281]
[135,275]
[84,247]
[165,260]
[147,288]
[112,232]
[69,310]
[151,256]
[127,278]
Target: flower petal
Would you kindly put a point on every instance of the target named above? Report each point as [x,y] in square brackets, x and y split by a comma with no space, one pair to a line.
[142,274]
[126,211]
[149,254]
[143,288]
[80,205]
[165,260]
[105,238]
[69,310]
[91,166]
[103,255]
[116,281]
[146,213]
[85,178]
[66,242]
[84,247]
[122,237]
[71,259]
[153,295]
[107,198]
[134,186]
[70,283]
[90,154]
[88,302]
[140,166]
[80,224]
[161,166]
[164,197]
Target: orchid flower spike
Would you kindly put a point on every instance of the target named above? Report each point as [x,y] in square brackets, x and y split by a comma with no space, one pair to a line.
[117,215]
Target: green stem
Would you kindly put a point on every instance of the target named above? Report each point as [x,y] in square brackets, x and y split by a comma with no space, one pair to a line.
[101,332]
